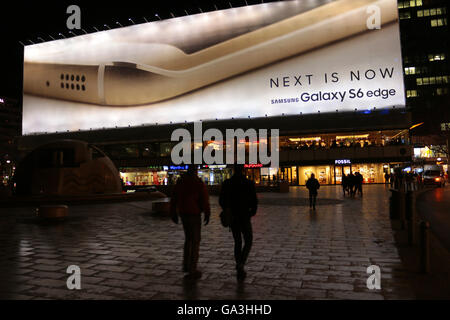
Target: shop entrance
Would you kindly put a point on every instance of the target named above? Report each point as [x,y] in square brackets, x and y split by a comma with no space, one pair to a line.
[338,171]
[253,174]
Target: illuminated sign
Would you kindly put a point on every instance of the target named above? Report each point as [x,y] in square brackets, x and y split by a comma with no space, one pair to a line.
[178,167]
[270,59]
[249,166]
[342,161]
[215,166]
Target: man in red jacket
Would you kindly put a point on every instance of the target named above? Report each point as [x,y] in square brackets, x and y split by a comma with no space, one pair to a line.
[189,199]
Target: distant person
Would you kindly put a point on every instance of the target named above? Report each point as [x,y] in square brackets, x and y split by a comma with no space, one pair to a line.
[387,176]
[344,184]
[351,183]
[238,194]
[312,185]
[359,179]
[392,179]
[190,198]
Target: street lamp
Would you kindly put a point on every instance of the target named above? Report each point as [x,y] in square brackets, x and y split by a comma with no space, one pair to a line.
[61,35]
[131,20]
[117,22]
[105,25]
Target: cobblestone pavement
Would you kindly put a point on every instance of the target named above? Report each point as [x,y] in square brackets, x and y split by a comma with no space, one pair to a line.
[126,252]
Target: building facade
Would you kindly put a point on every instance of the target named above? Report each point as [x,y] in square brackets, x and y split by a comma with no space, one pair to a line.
[10,129]
[329,145]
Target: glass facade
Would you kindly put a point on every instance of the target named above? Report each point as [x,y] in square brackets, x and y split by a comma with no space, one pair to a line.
[332,174]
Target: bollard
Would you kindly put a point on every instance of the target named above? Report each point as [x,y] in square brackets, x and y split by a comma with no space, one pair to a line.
[424,247]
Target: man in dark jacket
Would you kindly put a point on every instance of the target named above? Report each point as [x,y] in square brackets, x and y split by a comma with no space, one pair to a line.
[344,183]
[352,180]
[238,194]
[190,198]
[313,185]
[359,179]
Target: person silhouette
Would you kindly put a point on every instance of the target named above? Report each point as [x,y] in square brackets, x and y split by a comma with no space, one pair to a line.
[312,185]
[238,194]
[189,199]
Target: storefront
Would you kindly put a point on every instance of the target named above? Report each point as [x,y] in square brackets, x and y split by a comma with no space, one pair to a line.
[144,176]
[332,174]
[214,174]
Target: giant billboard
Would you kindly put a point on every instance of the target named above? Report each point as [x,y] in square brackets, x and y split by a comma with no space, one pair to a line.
[264,60]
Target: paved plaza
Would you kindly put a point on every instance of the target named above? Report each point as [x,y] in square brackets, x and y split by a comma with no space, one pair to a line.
[127,252]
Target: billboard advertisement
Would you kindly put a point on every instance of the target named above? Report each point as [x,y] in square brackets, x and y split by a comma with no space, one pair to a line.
[264,60]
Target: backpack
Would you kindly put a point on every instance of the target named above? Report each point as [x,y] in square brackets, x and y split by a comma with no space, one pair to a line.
[226,218]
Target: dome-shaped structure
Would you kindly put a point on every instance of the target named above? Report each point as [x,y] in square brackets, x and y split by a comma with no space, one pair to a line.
[67,167]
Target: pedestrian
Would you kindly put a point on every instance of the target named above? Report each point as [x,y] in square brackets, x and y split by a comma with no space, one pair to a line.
[359,179]
[387,176]
[238,195]
[312,185]
[351,183]
[344,183]
[190,198]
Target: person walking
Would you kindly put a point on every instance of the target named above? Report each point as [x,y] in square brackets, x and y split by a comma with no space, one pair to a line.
[190,198]
[238,195]
[359,179]
[344,183]
[387,176]
[312,185]
[392,180]
[351,183]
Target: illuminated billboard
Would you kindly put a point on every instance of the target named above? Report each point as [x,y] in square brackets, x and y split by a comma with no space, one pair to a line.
[277,58]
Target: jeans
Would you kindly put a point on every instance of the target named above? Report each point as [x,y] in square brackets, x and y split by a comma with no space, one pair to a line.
[242,228]
[192,231]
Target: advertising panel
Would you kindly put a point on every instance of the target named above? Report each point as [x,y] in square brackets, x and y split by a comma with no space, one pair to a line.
[265,60]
